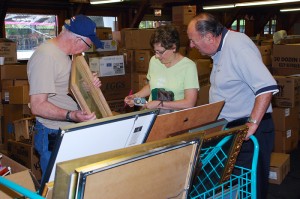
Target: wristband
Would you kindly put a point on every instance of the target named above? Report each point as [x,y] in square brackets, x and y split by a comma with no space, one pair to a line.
[68,118]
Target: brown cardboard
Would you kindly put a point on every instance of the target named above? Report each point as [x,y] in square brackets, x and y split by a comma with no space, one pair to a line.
[279,167]
[194,54]
[26,155]
[20,175]
[183,37]
[8,49]
[142,59]
[286,56]
[14,71]
[104,33]
[11,113]
[139,81]
[286,141]
[285,118]
[183,14]
[24,128]
[116,87]
[119,106]
[19,94]
[203,95]
[134,38]
[289,91]
[285,71]
[204,70]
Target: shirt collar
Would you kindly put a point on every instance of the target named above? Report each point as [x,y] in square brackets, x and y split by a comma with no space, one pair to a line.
[224,32]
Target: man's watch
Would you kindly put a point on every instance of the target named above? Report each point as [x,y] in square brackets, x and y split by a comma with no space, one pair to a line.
[251,120]
[68,118]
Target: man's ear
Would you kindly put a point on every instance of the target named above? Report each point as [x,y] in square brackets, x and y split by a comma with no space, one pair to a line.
[210,38]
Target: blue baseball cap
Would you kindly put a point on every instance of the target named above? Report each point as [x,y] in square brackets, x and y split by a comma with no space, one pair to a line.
[84,26]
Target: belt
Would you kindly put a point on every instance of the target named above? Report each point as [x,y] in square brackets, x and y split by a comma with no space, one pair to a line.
[241,121]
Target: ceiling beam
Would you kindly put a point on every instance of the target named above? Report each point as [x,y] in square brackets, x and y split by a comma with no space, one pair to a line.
[140,14]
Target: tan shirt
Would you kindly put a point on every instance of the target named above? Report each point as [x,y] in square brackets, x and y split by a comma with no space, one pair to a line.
[49,72]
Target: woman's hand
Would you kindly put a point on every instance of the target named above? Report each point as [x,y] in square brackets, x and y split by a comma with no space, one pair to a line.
[129,100]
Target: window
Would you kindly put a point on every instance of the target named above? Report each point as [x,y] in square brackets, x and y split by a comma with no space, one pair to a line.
[105,22]
[270,27]
[238,25]
[29,31]
[153,24]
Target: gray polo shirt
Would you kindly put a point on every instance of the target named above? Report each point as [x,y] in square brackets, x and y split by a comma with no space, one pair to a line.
[239,76]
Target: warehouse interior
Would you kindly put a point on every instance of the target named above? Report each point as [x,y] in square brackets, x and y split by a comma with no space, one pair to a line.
[126,27]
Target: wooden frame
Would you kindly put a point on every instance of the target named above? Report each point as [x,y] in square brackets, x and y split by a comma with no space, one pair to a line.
[89,98]
[68,173]
[178,122]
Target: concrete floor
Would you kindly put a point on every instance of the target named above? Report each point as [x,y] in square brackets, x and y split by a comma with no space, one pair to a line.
[290,187]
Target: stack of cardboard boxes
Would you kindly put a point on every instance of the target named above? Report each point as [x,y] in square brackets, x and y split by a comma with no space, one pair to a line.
[14,106]
[286,106]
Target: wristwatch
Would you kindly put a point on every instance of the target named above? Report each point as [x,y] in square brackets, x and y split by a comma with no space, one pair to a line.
[68,118]
[251,120]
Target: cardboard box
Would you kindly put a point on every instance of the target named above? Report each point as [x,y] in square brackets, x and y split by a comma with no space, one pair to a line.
[8,49]
[289,91]
[142,59]
[183,37]
[183,14]
[116,87]
[203,95]
[20,175]
[24,129]
[11,113]
[265,52]
[139,81]
[286,141]
[204,70]
[104,33]
[19,94]
[134,38]
[279,167]
[25,154]
[285,71]
[285,118]
[119,106]
[129,61]
[286,56]
[194,54]
[108,66]
[16,71]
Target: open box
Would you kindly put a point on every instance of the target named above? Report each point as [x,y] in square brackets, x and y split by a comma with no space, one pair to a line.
[20,175]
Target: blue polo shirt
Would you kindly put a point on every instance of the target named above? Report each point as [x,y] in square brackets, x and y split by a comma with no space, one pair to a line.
[239,76]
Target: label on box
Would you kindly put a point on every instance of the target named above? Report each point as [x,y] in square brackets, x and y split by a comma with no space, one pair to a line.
[288,133]
[272,175]
[286,112]
[109,45]
[112,65]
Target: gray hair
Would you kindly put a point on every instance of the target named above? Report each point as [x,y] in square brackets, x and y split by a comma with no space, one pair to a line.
[208,23]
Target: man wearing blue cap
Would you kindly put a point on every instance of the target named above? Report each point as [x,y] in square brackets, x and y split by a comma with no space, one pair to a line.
[49,73]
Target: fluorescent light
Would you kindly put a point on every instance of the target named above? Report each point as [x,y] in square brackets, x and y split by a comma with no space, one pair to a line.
[104,1]
[258,3]
[290,10]
[250,3]
[218,7]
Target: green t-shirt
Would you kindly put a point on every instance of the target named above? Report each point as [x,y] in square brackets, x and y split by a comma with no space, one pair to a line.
[177,78]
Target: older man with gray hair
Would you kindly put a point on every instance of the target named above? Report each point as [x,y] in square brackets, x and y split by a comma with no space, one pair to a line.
[49,73]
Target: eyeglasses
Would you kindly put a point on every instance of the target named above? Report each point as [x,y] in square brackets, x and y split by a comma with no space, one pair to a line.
[88,45]
[159,52]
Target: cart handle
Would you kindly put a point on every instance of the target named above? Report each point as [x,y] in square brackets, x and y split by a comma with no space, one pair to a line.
[18,188]
[254,165]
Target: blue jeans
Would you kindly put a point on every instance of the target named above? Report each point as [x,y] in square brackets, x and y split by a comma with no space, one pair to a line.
[44,139]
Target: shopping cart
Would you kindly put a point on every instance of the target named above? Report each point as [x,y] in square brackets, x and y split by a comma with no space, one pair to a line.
[241,186]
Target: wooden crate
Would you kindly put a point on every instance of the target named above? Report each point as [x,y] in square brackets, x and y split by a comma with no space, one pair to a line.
[23,128]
